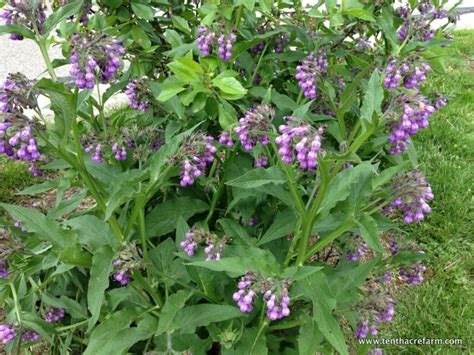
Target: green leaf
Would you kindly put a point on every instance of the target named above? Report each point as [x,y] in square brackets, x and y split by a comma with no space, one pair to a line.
[92,231]
[17,29]
[163,218]
[143,11]
[373,98]
[283,225]
[309,337]
[340,187]
[181,24]
[173,38]
[39,188]
[124,187]
[45,228]
[98,281]
[169,91]
[227,115]
[186,69]
[315,288]
[249,4]
[234,230]
[229,85]
[369,232]
[266,5]
[252,342]
[359,13]
[140,37]
[258,177]
[67,206]
[174,303]
[64,12]
[189,318]
[385,176]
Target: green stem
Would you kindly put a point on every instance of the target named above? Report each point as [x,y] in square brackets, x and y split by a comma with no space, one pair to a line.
[258,64]
[101,109]
[308,227]
[44,52]
[17,304]
[141,227]
[263,324]
[72,326]
[239,15]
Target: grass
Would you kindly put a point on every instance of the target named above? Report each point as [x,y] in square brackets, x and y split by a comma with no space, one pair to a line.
[13,178]
[442,307]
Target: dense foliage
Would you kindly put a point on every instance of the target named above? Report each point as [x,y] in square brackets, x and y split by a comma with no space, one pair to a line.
[245,202]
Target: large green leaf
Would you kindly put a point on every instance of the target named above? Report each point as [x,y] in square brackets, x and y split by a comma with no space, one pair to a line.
[143,11]
[163,218]
[189,318]
[45,228]
[92,231]
[98,281]
[258,177]
[373,98]
[64,12]
[17,29]
[283,225]
[369,232]
[174,303]
[315,288]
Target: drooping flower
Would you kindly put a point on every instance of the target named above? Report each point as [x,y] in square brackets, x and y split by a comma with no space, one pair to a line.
[128,259]
[413,274]
[30,336]
[214,244]
[253,126]
[277,304]
[139,94]
[225,46]
[245,294]
[94,58]
[205,40]
[281,41]
[261,161]
[226,139]
[7,333]
[298,138]
[354,255]
[28,13]
[410,73]
[411,113]
[196,153]
[308,72]
[54,315]
[412,193]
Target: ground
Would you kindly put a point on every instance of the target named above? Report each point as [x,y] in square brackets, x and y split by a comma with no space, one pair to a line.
[442,306]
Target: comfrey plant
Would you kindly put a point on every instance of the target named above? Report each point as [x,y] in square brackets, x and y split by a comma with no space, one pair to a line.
[243,201]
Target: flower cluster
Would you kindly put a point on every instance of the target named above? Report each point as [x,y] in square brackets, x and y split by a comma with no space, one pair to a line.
[275,295]
[7,333]
[214,245]
[196,153]
[380,309]
[30,336]
[354,255]
[3,269]
[410,73]
[412,193]
[413,274]
[253,126]
[307,73]
[28,13]
[298,138]
[261,161]
[139,95]
[225,46]
[94,57]
[226,139]
[17,94]
[98,150]
[128,260]
[207,40]
[54,315]
[412,114]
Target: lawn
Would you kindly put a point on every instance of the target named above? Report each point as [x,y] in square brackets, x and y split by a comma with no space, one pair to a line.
[442,306]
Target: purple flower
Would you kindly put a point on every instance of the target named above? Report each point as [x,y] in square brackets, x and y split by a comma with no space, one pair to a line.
[94,57]
[281,41]
[261,161]
[3,269]
[54,315]
[214,245]
[122,276]
[120,153]
[196,153]
[298,138]
[139,94]
[190,243]
[410,73]
[205,40]
[226,139]
[413,275]
[414,115]
[28,13]
[277,304]
[30,336]
[7,333]
[225,46]
[354,255]
[253,125]
[413,193]
[17,95]
[245,294]
[308,71]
